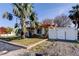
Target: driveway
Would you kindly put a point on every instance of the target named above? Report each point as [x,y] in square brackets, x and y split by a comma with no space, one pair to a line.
[8,49]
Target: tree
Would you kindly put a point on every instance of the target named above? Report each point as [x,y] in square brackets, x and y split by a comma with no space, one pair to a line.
[8,16]
[62,21]
[22,11]
[33,18]
[74,15]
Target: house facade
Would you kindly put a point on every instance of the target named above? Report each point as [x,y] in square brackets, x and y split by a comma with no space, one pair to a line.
[41,30]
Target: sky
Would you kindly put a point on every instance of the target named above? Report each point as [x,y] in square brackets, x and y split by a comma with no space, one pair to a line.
[43,10]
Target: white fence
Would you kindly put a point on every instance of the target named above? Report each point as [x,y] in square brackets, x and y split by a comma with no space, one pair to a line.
[63,33]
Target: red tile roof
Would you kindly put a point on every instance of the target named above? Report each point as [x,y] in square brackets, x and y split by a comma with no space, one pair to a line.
[2,30]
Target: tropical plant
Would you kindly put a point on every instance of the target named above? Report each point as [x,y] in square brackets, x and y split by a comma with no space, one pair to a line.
[33,18]
[7,15]
[22,11]
[74,15]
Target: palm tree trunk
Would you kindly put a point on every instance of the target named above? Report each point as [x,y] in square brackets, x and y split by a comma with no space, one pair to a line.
[21,33]
[24,28]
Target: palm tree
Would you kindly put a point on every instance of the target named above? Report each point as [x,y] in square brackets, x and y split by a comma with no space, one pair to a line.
[22,11]
[74,14]
[33,18]
[8,16]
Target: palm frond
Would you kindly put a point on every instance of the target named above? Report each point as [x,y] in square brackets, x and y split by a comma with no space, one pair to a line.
[7,15]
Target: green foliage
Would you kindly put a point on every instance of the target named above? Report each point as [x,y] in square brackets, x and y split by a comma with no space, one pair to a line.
[74,14]
[22,11]
[7,15]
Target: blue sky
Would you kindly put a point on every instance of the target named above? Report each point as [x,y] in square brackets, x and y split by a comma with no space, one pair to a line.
[43,10]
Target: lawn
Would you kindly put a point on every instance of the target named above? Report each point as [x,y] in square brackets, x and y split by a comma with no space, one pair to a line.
[27,41]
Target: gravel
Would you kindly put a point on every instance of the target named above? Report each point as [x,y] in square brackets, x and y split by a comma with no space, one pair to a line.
[62,49]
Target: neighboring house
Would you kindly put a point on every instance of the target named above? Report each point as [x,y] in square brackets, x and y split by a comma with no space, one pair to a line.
[4,33]
[3,30]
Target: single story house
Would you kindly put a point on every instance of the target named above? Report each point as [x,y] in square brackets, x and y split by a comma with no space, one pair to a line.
[41,30]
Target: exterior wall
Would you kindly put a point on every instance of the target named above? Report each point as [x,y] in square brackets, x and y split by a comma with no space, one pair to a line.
[35,31]
[63,33]
[43,31]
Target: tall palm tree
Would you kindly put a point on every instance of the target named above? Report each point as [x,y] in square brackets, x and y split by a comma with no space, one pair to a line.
[33,18]
[22,11]
[74,14]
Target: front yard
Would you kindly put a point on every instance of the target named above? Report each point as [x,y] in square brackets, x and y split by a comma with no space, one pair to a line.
[47,48]
[22,42]
[27,41]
